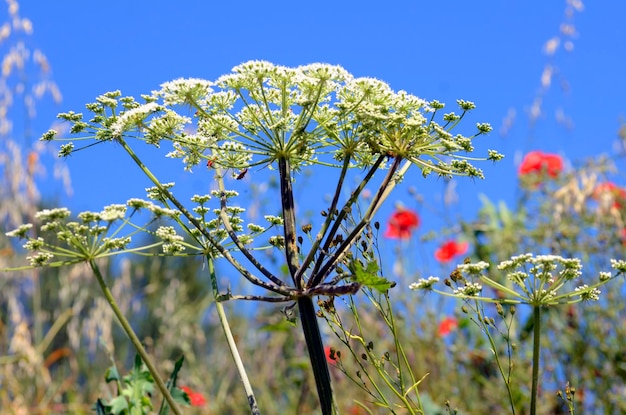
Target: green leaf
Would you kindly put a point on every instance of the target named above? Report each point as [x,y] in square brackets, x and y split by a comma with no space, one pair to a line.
[101,408]
[138,364]
[180,396]
[112,375]
[171,382]
[118,405]
[369,276]
[138,388]
[281,326]
[176,393]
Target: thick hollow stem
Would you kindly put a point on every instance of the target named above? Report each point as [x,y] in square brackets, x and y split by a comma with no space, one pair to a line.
[315,347]
[536,354]
[308,317]
[133,338]
[289,219]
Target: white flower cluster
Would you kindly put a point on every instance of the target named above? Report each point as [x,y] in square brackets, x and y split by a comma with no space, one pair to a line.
[40,259]
[619,265]
[116,243]
[171,240]
[134,118]
[588,294]
[424,284]
[231,154]
[470,289]
[274,220]
[473,269]
[184,91]
[113,212]
[52,214]
[20,232]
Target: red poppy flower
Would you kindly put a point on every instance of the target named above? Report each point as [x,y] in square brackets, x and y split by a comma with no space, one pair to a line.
[357,410]
[449,250]
[612,191]
[331,357]
[539,162]
[196,398]
[401,224]
[447,326]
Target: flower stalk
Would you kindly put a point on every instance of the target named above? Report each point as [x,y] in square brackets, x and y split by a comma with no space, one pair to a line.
[536,358]
[106,291]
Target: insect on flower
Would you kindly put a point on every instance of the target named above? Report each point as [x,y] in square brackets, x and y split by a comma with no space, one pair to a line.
[242,174]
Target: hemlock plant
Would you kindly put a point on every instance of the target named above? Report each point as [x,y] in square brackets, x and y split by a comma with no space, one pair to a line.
[280,120]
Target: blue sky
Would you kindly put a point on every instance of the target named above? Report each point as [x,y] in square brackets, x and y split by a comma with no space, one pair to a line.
[486,52]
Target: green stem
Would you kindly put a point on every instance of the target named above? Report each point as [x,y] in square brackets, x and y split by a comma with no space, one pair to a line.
[485,328]
[254,409]
[191,218]
[232,345]
[314,344]
[133,338]
[382,398]
[37,310]
[233,236]
[401,354]
[536,353]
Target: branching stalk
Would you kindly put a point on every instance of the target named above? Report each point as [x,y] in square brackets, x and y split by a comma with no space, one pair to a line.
[308,316]
[317,276]
[384,190]
[320,235]
[225,253]
[238,243]
[133,338]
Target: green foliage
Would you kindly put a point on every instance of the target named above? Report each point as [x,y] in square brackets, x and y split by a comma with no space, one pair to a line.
[134,391]
[370,276]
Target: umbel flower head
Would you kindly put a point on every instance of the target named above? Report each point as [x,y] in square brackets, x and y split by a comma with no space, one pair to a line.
[535,280]
[262,113]
[284,118]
